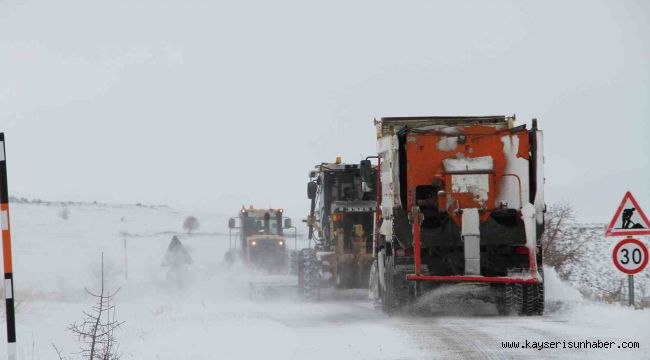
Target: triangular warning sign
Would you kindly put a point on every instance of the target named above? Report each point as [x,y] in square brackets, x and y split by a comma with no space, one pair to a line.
[629,219]
[176,254]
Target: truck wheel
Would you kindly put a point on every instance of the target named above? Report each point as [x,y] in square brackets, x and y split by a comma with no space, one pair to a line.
[293,262]
[534,297]
[513,300]
[500,299]
[230,257]
[397,289]
[374,286]
[539,309]
[345,275]
[309,282]
[501,306]
[300,268]
[387,304]
[363,274]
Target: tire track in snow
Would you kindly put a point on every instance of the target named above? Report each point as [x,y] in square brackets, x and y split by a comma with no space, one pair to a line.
[449,340]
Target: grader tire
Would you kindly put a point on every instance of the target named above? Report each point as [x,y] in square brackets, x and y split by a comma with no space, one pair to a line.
[309,275]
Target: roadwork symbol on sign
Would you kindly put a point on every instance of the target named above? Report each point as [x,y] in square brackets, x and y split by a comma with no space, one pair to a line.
[629,219]
[630,256]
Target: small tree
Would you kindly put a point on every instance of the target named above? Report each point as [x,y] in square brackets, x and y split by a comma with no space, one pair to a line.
[96,331]
[563,242]
[64,214]
[190,224]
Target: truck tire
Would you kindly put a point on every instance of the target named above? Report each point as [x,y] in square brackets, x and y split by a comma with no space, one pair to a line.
[293,262]
[230,257]
[541,300]
[522,299]
[512,301]
[387,303]
[397,288]
[345,275]
[500,302]
[534,297]
[374,287]
[363,274]
[309,275]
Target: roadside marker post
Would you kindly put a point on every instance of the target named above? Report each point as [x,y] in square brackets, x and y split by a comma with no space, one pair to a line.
[6,254]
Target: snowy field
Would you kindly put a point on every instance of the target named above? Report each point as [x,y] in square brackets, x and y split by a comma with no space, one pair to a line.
[210,316]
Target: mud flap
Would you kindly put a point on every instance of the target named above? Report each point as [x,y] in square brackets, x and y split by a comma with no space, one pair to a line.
[528,216]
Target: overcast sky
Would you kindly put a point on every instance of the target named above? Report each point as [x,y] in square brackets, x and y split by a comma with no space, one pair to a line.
[208,104]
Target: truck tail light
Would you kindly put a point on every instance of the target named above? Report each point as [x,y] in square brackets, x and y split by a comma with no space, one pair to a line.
[521,250]
[337,217]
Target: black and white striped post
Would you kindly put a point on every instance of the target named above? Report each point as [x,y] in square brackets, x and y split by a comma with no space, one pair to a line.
[6,251]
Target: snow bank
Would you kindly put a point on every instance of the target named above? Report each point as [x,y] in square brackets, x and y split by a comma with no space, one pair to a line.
[557,290]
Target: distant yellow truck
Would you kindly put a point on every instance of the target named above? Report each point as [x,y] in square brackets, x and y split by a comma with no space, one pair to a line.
[261,241]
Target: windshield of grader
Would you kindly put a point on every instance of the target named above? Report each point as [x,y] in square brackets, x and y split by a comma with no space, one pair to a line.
[346,186]
[254,225]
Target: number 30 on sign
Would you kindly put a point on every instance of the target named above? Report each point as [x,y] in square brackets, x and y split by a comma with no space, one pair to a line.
[630,256]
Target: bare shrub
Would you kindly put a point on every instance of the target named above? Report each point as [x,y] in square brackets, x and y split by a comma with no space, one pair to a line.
[64,214]
[96,332]
[563,242]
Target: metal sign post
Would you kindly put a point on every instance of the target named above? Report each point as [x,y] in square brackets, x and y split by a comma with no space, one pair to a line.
[630,285]
[126,262]
[6,251]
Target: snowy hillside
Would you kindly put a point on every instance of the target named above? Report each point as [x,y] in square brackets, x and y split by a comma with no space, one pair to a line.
[596,275]
[71,249]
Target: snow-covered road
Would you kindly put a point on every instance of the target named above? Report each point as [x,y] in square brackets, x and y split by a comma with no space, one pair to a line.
[210,316]
[474,330]
[481,337]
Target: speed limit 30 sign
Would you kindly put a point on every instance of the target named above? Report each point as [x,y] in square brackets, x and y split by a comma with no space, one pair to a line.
[630,256]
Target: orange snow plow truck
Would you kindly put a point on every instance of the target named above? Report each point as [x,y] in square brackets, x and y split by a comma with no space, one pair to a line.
[461,201]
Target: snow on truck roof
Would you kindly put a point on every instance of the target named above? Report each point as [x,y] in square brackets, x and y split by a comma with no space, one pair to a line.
[257,211]
[391,125]
[330,167]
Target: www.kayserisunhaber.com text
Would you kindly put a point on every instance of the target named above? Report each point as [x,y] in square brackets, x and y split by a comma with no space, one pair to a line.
[565,344]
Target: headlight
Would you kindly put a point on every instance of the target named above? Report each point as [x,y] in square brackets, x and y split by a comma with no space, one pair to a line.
[280,242]
[253,242]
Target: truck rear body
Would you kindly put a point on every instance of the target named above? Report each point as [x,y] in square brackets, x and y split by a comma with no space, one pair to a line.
[461,199]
